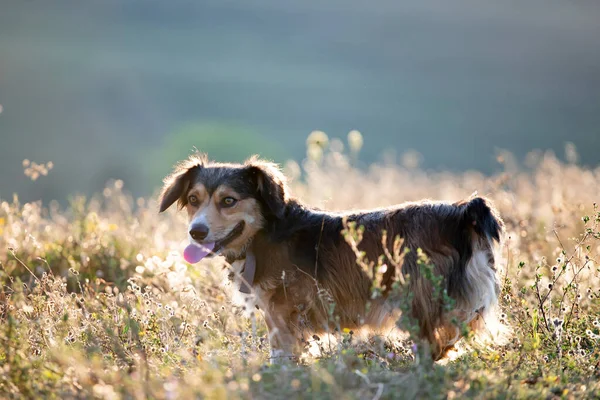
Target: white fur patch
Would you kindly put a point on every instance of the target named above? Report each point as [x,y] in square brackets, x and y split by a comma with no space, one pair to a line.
[257,296]
[482,280]
[485,286]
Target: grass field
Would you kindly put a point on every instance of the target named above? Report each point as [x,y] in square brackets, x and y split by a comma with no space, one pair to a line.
[96,300]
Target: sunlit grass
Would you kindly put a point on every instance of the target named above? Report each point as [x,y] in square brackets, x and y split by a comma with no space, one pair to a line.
[97,301]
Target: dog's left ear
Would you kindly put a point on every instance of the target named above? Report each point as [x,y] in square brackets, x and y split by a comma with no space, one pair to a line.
[270,184]
[177,184]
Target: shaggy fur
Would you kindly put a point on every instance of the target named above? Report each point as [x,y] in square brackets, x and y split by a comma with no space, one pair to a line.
[302,257]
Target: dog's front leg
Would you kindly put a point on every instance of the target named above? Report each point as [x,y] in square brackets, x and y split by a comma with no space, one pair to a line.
[282,338]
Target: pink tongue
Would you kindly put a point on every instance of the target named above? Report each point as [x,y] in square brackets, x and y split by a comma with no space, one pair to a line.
[195,252]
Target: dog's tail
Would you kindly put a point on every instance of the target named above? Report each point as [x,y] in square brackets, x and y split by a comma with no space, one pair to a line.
[481,277]
[484,219]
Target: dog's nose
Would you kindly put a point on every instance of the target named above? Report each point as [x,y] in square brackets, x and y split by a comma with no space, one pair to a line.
[199,231]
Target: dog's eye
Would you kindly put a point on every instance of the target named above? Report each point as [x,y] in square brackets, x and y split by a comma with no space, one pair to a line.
[193,200]
[228,202]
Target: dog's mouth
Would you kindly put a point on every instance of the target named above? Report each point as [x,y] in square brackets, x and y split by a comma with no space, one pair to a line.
[233,234]
[196,251]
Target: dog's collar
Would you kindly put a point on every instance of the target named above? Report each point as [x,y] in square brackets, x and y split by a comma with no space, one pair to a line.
[248,272]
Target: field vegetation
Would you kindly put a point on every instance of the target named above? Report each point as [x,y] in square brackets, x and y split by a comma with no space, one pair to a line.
[97,301]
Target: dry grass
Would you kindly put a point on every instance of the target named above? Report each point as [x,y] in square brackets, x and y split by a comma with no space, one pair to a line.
[97,302]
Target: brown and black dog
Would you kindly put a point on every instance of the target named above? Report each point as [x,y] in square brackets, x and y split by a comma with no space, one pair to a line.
[286,254]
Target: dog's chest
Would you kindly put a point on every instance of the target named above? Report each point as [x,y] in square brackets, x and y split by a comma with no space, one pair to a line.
[256,299]
[234,274]
[237,267]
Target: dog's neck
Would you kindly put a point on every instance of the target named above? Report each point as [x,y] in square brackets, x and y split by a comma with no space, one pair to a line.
[298,217]
[271,240]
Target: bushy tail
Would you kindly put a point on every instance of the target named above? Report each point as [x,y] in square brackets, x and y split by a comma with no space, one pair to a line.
[486,223]
[484,219]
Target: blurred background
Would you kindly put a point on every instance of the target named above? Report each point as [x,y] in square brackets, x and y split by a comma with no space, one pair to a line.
[124,88]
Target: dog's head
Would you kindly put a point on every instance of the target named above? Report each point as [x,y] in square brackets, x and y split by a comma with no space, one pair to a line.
[227,204]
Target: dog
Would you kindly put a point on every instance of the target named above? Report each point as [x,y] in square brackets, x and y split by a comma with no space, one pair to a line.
[288,255]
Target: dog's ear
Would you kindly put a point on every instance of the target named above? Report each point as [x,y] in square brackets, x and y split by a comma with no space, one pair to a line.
[174,188]
[270,185]
[178,182]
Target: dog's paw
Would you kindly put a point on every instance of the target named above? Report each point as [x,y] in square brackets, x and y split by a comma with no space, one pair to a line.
[281,357]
